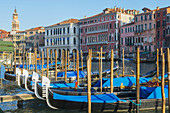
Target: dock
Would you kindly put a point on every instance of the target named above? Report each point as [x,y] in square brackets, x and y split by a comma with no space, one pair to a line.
[17,97]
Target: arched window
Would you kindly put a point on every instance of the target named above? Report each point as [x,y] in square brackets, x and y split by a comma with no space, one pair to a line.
[47,32]
[74,30]
[74,41]
[51,31]
[81,41]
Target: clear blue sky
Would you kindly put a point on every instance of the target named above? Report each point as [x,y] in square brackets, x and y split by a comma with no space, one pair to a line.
[33,13]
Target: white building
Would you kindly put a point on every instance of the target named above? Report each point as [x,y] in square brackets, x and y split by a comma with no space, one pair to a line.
[62,36]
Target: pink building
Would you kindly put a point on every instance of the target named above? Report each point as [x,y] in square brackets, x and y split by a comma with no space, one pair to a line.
[145,31]
[167,40]
[127,39]
[102,30]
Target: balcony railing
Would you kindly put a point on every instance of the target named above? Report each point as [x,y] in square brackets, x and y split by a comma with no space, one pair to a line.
[95,43]
[97,31]
[138,44]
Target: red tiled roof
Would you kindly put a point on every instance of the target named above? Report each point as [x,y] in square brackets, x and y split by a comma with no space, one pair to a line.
[36,28]
[3,31]
[66,22]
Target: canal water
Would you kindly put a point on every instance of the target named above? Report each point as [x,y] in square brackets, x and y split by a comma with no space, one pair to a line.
[39,106]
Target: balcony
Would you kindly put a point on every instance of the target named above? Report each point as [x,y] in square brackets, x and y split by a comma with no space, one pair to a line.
[138,44]
[98,31]
[96,43]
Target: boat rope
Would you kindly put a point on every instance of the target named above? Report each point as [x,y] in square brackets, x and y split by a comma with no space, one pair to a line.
[135,103]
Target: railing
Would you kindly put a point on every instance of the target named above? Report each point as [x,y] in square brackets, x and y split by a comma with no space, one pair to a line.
[97,31]
[138,44]
[94,43]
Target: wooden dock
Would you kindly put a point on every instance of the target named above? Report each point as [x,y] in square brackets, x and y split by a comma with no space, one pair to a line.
[18,97]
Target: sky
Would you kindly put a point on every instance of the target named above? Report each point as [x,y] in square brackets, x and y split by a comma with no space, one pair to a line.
[34,13]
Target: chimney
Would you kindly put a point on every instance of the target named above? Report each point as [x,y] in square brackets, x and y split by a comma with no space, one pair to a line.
[115,8]
[120,9]
[157,8]
[85,16]
[123,10]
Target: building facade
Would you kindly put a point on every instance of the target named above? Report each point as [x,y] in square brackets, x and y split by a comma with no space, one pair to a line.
[3,34]
[167,40]
[102,30]
[127,39]
[62,36]
[35,37]
[145,31]
[161,26]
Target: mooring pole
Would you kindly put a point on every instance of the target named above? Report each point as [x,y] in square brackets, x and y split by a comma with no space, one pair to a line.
[77,66]
[47,62]
[23,59]
[162,83]
[65,66]
[27,60]
[161,51]
[123,69]
[157,63]
[168,59]
[36,60]
[137,79]
[51,56]
[81,60]
[62,59]
[74,60]
[68,59]
[55,65]
[89,81]
[42,61]
[111,72]
[101,56]
[15,62]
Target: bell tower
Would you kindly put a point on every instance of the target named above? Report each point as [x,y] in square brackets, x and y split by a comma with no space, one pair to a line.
[15,22]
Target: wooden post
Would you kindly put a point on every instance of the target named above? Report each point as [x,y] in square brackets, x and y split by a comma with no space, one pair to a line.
[137,79]
[51,56]
[27,60]
[89,81]
[157,63]
[161,51]
[42,57]
[23,59]
[74,60]
[77,66]
[35,50]
[62,59]
[15,61]
[65,66]
[99,62]
[123,69]
[68,59]
[81,60]
[12,60]
[162,83]
[111,72]
[101,69]
[55,65]
[47,62]
[168,59]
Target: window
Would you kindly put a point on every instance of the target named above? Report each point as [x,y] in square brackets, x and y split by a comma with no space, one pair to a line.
[110,26]
[74,41]
[110,17]
[74,30]
[158,34]
[54,31]
[150,25]
[51,31]
[68,30]
[154,16]
[145,26]
[150,39]
[157,44]
[99,20]
[81,41]
[164,13]
[158,24]
[136,19]
[145,17]
[150,16]
[85,30]
[141,18]
[110,37]
[125,30]
[37,37]
[145,39]
[163,23]
[121,41]
[47,32]
[145,48]
[158,15]
[164,33]
[163,43]
[68,40]
[63,41]
[122,30]
[149,48]
[31,32]
[60,30]
[106,18]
